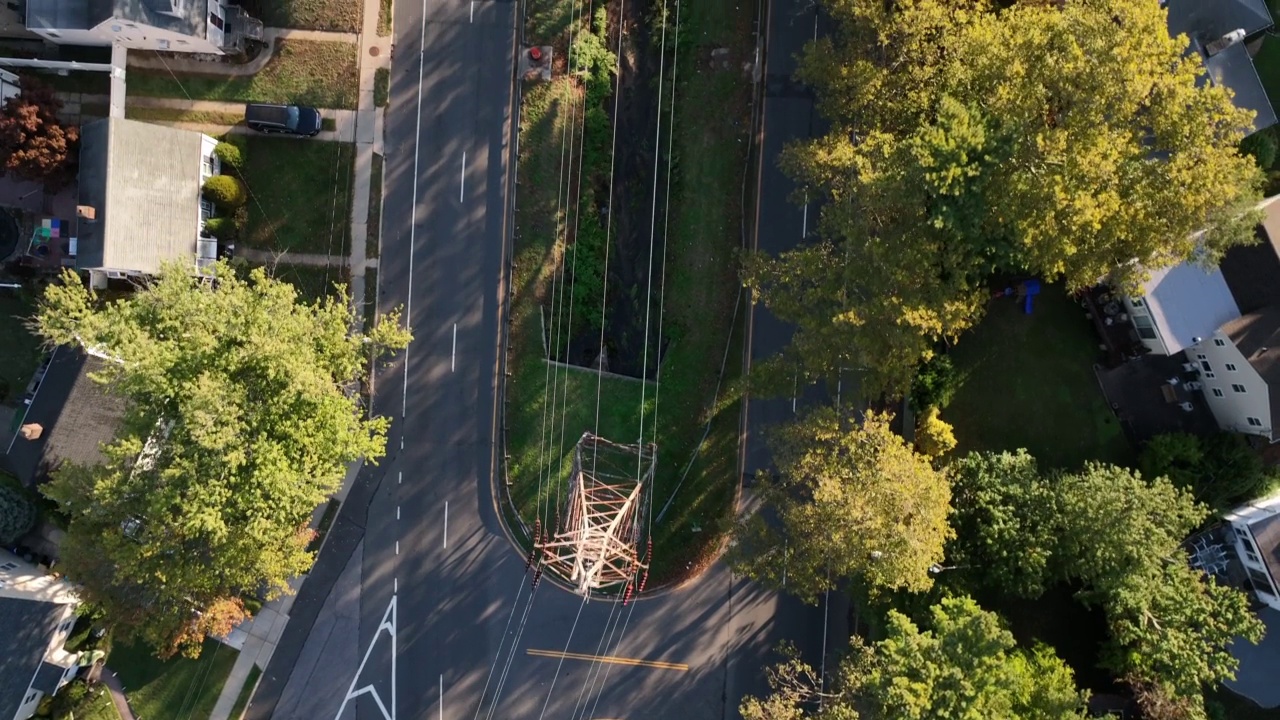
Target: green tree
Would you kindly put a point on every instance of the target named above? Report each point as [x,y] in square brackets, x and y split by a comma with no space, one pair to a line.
[1219,470]
[852,498]
[965,666]
[1059,139]
[1003,521]
[240,420]
[17,514]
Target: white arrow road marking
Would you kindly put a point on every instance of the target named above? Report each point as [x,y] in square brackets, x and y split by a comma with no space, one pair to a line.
[388,624]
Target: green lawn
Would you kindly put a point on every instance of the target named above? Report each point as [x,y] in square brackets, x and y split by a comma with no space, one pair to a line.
[1028,381]
[1267,62]
[323,74]
[381,86]
[311,282]
[246,692]
[173,689]
[373,228]
[19,349]
[332,15]
[701,291]
[300,195]
[203,117]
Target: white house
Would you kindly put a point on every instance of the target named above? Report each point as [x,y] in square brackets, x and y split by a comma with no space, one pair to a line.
[195,26]
[37,612]
[140,201]
[1255,528]
[1227,323]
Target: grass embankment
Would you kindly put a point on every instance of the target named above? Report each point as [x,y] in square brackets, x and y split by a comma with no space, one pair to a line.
[385,9]
[331,15]
[300,195]
[1028,382]
[701,292]
[307,72]
[173,689]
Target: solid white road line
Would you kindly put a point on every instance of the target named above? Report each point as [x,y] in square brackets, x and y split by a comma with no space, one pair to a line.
[388,625]
[473,10]
[442,697]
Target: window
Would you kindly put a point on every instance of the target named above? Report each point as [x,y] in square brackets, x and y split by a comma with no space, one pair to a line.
[206,166]
[1146,329]
[1217,392]
[1261,581]
[1219,342]
[1231,367]
[215,20]
[31,696]
[8,566]
[1254,422]
[1138,302]
[1238,387]
[1205,366]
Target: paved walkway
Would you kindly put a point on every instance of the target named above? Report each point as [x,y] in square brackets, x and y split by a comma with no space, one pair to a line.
[214,66]
[108,678]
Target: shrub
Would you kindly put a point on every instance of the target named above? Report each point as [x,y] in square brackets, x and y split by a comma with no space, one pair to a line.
[223,228]
[229,155]
[934,436]
[1262,145]
[935,384]
[17,514]
[227,192]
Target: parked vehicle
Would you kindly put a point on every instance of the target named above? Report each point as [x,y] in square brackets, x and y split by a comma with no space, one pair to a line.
[285,119]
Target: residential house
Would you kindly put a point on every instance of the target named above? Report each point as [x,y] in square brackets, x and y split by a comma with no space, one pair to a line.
[140,201]
[37,612]
[1255,528]
[1222,33]
[68,419]
[1224,323]
[194,26]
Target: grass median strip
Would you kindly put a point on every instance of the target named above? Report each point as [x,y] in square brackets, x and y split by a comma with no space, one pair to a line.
[308,72]
[246,692]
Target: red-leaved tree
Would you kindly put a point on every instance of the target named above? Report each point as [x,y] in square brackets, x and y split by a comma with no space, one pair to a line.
[34,144]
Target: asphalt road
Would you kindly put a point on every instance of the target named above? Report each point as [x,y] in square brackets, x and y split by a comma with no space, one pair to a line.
[448,626]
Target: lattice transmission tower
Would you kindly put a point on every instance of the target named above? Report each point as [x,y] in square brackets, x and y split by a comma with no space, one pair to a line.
[598,545]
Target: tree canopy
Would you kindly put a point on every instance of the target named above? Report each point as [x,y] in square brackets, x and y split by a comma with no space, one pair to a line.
[852,498]
[964,666]
[240,419]
[1119,536]
[1064,140]
[1219,470]
[34,144]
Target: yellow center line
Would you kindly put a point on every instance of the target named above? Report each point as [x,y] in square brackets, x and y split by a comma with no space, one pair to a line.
[636,662]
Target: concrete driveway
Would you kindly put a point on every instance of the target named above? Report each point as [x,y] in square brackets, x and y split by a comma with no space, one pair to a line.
[1260,664]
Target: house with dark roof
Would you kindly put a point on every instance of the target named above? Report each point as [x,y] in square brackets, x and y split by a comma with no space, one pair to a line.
[1222,32]
[140,203]
[1224,324]
[37,612]
[195,26]
[1255,528]
[68,419]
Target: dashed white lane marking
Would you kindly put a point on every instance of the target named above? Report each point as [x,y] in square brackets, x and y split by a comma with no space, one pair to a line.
[446,524]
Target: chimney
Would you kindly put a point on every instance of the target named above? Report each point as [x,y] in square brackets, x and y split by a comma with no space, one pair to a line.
[1224,42]
[86,212]
[31,431]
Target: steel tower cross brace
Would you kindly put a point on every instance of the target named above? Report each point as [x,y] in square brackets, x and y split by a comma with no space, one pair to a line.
[598,546]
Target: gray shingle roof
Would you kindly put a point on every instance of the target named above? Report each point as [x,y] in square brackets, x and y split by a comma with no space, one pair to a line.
[1233,68]
[48,677]
[1208,20]
[67,14]
[78,416]
[143,182]
[1257,337]
[189,16]
[26,628]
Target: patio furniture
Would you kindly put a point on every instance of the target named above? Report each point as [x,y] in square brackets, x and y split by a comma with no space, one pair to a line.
[1170,393]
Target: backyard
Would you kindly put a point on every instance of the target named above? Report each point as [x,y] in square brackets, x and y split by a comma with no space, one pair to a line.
[549,406]
[300,195]
[1027,381]
[308,72]
[175,689]
[19,349]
